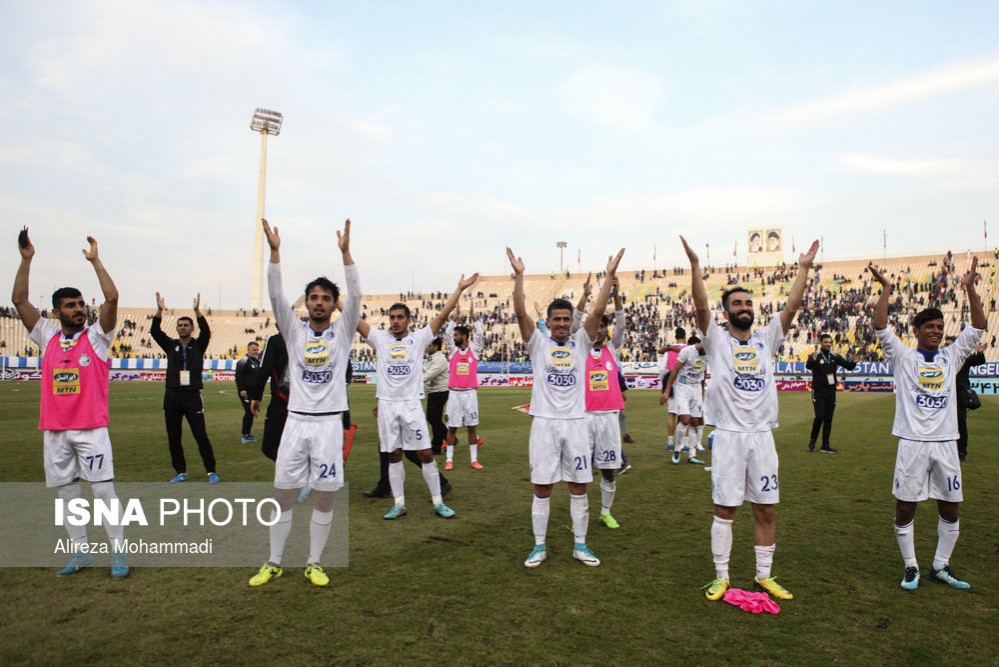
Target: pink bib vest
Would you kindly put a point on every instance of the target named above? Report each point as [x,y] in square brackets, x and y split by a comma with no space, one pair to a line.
[74,386]
[603,392]
[464,370]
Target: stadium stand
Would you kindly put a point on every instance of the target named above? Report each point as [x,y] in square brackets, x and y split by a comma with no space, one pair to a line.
[839,300]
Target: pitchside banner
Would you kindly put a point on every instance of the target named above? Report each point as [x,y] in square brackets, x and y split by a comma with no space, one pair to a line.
[165,525]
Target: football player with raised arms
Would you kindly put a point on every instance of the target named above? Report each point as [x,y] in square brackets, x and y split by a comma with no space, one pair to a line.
[742,404]
[559,443]
[311,449]
[401,422]
[927,464]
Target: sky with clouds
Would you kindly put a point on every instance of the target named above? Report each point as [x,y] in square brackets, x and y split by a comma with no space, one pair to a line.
[449,130]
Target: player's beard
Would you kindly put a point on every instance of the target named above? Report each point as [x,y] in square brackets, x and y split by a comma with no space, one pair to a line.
[741,321]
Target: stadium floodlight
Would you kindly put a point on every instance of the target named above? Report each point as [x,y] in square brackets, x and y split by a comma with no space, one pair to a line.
[561,245]
[266,122]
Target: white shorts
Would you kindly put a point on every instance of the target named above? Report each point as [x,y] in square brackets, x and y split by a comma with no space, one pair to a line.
[402,425]
[311,452]
[671,403]
[688,399]
[83,454]
[559,451]
[926,470]
[604,432]
[744,467]
[462,408]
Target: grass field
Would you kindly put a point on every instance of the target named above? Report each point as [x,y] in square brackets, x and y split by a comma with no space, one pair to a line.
[423,590]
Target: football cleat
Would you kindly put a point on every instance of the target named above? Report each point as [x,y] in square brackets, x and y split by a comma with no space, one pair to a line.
[537,556]
[609,521]
[444,511]
[315,575]
[179,477]
[76,563]
[267,572]
[771,586]
[477,466]
[716,589]
[583,554]
[910,581]
[946,576]
[119,567]
[396,512]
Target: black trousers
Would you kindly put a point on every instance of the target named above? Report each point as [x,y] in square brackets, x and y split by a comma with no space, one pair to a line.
[383,480]
[178,405]
[247,416]
[824,403]
[962,429]
[274,421]
[435,417]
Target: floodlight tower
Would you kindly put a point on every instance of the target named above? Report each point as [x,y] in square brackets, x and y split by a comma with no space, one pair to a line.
[265,122]
[561,249]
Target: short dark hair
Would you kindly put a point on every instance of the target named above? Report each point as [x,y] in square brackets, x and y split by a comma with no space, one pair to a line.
[605,320]
[680,333]
[437,342]
[952,339]
[64,293]
[399,305]
[560,304]
[463,330]
[729,292]
[693,340]
[325,284]
[825,336]
[253,342]
[926,315]
[185,317]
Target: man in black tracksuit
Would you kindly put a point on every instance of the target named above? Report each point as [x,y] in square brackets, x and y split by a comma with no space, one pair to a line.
[823,362]
[185,360]
[247,370]
[273,367]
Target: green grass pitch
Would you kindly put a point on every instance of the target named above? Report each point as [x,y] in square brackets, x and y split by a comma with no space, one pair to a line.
[423,590]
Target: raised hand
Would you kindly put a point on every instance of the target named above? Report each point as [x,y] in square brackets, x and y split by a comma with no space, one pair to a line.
[160,302]
[969,278]
[465,283]
[612,263]
[515,262]
[691,255]
[342,240]
[587,289]
[197,303]
[273,238]
[91,254]
[806,258]
[24,245]
[877,274]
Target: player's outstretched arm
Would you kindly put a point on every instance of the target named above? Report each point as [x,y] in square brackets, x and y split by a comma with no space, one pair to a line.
[978,319]
[274,241]
[587,291]
[524,321]
[343,240]
[22,304]
[109,309]
[452,301]
[592,324]
[880,320]
[798,287]
[697,289]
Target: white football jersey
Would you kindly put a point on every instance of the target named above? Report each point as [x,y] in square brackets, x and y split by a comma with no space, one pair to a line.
[317,361]
[924,385]
[399,363]
[694,366]
[44,329]
[742,394]
[558,369]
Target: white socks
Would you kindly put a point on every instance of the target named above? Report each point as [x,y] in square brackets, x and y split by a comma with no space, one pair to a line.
[947,534]
[764,560]
[450,453]
[279,537]
[397,481]
[540,509]
[116,532]
[906,542]
[721,545]
[473,450]
[77,534]
[432,476]
[579,510]
[319,532]
[607,489]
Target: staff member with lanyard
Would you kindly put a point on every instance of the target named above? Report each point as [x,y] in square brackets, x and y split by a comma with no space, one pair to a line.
[823,362]
[185,360]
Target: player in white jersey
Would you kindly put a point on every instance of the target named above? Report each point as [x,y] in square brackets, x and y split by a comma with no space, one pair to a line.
[464,349]
[311,450]
[927,463]
[401,422]
[670,353]
[686,385]
[742,405]
[559,449]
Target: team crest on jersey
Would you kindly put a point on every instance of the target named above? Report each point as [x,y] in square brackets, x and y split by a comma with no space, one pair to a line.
[84,360]
[609,366]
[398,351]
[931,378]
[316,353]
[461,368]
[698,365]
[561,357]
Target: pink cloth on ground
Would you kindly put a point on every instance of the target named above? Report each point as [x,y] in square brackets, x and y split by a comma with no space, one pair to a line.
[755,602]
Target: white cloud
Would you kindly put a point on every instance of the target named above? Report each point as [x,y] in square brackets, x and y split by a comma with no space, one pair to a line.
[614,96]
[942,173]
[937,82]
